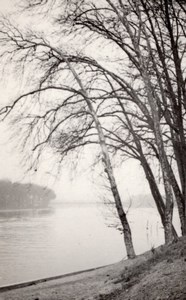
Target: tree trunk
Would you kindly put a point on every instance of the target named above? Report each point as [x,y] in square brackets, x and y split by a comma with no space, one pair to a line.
[114,189]
[124,222]
[163,160]
[152,183]
[156,195]
[179,199]
[108,168]
[157,129]
[180,196]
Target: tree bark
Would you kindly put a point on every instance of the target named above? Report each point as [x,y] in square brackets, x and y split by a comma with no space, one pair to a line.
[156,194]
[178,101]
[156,120]
[163,160]
[108,169]
[150,178]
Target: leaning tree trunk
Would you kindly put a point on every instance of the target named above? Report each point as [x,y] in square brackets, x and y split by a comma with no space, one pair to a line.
[156,193]
[115,192]
[167,186]
[108,168]
[157,130]
[163,160]
[149,175]
[113,185]
[179,198]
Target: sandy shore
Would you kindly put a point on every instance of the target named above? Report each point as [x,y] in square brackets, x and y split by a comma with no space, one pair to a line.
[157,274]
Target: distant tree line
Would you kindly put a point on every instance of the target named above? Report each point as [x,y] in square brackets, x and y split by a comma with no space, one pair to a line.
[15,195]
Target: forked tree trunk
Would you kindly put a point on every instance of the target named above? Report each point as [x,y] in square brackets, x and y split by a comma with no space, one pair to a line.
[108,169]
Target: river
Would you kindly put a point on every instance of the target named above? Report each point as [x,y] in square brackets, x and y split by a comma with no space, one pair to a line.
[68,238]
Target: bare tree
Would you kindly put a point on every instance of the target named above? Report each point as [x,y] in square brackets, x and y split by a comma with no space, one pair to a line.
[126,26]
[130,99]
[67,120]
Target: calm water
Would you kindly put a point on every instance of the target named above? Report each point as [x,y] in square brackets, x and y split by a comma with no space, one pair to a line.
[68,238]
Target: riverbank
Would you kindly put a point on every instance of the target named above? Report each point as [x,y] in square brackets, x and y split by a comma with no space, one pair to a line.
[156,274]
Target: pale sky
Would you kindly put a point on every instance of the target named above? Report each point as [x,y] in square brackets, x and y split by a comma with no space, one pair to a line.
[130,177]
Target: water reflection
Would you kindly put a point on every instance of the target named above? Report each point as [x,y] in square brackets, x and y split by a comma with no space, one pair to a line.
[19,214]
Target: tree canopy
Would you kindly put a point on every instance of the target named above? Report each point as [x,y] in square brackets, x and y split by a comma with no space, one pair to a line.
[15,195]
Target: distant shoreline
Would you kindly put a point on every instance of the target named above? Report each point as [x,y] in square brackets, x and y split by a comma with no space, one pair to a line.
[25,209]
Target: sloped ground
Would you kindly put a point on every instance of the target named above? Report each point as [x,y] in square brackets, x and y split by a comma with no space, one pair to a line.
[157,274]
[161,276]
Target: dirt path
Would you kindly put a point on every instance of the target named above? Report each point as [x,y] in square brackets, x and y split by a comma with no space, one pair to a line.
[82,286]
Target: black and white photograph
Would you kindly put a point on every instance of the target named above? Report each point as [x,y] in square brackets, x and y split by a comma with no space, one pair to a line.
[92,150]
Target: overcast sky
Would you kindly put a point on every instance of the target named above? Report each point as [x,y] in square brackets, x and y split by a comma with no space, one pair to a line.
[7,5]
[130,177]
